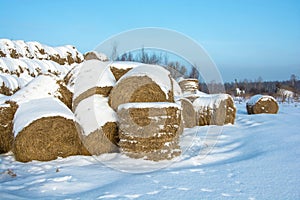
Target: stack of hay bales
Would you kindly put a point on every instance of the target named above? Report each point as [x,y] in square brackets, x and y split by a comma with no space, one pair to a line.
[144,83]
[119,68]
[262,104]
[44,130]
[215,109]
[150,130]
[7,112]
[189,116]
[98,122]
[93,77]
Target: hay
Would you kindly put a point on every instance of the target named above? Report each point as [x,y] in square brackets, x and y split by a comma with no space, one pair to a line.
[118,73]
[259,104]
[148,130]
[137,89]
[93,55]
[44,129]
[7,112]
[98,127]
[189,86]
[215,110]
[65,95]
[189,116]
[46,139]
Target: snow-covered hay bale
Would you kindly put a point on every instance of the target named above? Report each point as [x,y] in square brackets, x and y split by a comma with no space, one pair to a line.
[41,87]
[145,83]
[216,109]
[94,77]
[189,116]
[189,86]
[262,104]
[98,122]
[149,129]
[120,68]
[7,112]
[44,129]
[94,55]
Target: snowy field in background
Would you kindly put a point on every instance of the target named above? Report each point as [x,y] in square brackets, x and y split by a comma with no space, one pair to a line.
[257,158]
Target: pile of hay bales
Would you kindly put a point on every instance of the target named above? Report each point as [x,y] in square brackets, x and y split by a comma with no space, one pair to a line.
[7,112]
[150,130]
[44,130]
[215,109]
[189,86]
[144,83]
[259,104]
[189,116]
[98,124]
[93,77]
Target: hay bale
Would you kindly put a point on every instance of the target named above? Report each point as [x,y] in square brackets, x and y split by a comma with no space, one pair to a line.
[120,68]
[94,77]
[98,122]
[189,116]
[259,104]
[189,86]
[147,129]
[44,129]
[94,55]
[144,83]
[216,109]
[7,112]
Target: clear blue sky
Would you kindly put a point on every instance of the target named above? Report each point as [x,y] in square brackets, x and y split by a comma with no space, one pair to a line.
[246,39]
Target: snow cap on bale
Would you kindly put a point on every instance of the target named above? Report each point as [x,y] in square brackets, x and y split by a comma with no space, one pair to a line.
[147,130]
[94,77]
[119,68]
[189,86]
[215,109]
[44,129]
[94,55]
[262,104]
[7,112]
[98,124]
[145,83]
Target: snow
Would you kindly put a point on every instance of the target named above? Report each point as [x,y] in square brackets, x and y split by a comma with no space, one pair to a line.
[125,64]
[38,108]
[93,73]
[11,81]
[256,158]
[157,73]
[209,101]
[93,113]
[148,105]
[40,87]
[254,99]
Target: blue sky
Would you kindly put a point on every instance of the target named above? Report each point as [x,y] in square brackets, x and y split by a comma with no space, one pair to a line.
[246,39]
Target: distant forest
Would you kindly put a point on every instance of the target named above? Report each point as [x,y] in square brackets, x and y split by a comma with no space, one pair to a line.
[177,69]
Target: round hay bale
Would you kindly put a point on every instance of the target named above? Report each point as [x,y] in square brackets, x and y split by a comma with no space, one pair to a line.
[98,122]
[145,83]
[189,116]
[44,129]
[259,104]
[120,68]
[7,112]
[93,78]
[189,86]
[94,55]
[147,128]
[216,109]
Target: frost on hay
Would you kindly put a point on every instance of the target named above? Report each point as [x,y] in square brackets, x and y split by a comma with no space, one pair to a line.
[147,130]
[7,112]
[259,104]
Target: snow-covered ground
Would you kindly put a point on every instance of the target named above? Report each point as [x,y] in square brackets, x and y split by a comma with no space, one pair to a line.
[257,158]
